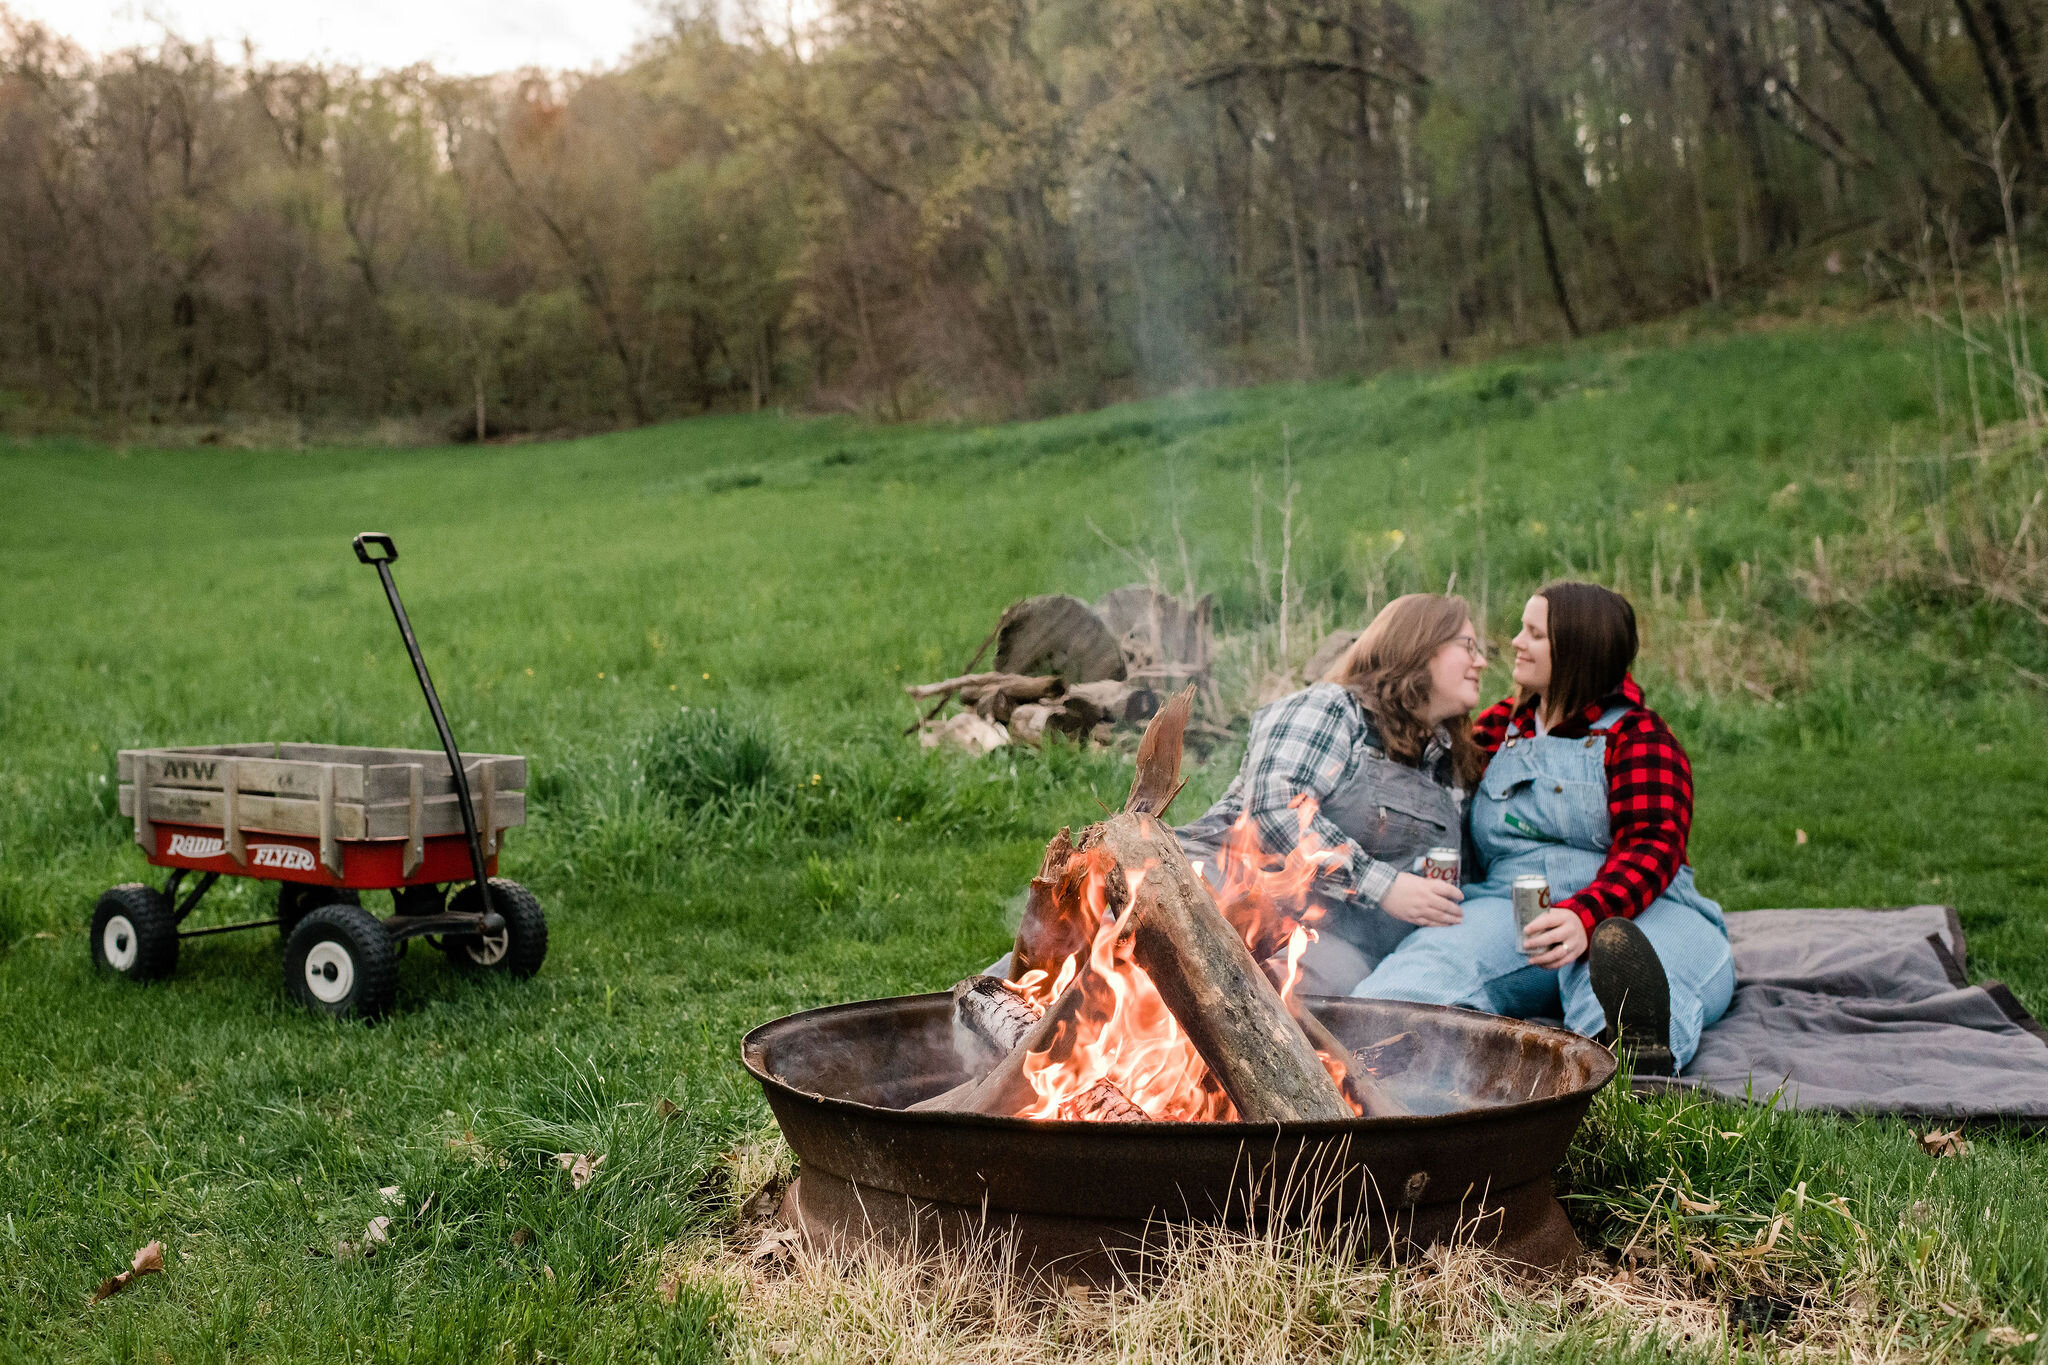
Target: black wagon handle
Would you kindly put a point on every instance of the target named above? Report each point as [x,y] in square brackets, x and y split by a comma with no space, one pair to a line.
[382,563]
[365,540]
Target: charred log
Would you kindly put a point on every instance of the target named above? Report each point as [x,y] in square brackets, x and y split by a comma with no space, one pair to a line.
[990,1019]
[1208,978]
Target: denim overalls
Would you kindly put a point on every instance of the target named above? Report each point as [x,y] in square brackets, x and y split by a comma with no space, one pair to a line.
[1542,807]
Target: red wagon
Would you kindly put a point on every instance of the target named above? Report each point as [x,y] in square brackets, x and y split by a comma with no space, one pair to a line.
[327,823]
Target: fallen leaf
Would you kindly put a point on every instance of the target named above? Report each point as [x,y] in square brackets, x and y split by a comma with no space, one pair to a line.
[379,1231]
[2009,1337]
[1936,1142]
[46,935]
[148,1261]
[1079,1293]
[522,1237]
[1702,1261]
[548,1271]
[665,1108]
[580,1167]
[1624,1278]
[1695,1206]
[776,1244]
[1798,836]
[390,1195]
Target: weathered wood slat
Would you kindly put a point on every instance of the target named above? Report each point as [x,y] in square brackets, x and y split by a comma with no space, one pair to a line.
[361,775]
[291,815]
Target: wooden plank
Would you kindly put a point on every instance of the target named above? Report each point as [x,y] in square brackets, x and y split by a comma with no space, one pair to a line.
[259,814]
[145,832]
[415,839]
[361,774]
[439,815]
[511,772]
[483,794]
[330,842]
[231,810]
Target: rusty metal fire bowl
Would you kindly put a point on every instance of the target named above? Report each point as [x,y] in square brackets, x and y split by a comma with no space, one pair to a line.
[1495,1103]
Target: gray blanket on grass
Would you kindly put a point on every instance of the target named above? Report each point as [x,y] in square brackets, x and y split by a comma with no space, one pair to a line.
[1869,1012]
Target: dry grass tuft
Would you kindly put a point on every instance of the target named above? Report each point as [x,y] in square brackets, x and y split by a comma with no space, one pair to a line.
[1225,1296]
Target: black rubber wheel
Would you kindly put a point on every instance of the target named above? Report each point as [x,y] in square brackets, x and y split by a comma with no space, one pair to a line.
[341,961]
[134,933]
[519,950]
[295,900]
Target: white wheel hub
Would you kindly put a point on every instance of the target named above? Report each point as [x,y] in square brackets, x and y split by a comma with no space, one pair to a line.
[330,972]
[488,950]
[117,941]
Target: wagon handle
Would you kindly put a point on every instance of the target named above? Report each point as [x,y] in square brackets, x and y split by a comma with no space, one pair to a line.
[383,564]
[367,539]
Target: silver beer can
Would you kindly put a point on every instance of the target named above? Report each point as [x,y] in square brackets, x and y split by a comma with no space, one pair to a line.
[1532,898]
[1441,864]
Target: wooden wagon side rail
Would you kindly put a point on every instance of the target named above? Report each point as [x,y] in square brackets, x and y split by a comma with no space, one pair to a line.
[332,792]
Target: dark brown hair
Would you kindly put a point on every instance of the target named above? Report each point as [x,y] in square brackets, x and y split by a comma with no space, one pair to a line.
[1592,643]
[1388,668]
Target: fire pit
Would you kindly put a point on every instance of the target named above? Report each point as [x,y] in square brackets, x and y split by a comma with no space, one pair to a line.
[1493,1104]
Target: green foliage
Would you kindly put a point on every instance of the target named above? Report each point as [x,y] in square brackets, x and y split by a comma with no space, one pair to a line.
[781,844]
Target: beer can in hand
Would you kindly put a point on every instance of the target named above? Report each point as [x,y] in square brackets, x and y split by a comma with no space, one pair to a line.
[1532,899]
[1441,864]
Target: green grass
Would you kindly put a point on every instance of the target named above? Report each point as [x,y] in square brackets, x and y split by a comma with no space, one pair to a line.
[703,874]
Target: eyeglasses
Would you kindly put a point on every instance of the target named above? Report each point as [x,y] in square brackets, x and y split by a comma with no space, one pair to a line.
[1472,647]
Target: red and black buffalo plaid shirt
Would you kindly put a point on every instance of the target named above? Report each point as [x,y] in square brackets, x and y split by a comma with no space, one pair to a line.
[1649,797]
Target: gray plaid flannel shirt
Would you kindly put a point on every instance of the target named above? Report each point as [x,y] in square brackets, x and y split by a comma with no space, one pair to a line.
[1311,742]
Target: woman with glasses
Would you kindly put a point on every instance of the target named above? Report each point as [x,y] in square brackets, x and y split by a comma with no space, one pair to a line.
[1373,764]
[1586,787]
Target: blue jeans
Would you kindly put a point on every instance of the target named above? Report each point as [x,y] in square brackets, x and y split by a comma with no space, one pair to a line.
[1479,964]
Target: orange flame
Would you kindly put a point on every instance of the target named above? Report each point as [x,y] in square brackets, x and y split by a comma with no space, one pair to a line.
[1123,1031]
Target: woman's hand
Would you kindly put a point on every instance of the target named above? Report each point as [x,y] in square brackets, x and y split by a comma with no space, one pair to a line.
[1554,938]
[1423,900]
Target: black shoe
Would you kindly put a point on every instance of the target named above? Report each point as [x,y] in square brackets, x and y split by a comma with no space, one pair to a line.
[1630,984]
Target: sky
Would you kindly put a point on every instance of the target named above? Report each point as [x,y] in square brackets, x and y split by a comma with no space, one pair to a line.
[461,37]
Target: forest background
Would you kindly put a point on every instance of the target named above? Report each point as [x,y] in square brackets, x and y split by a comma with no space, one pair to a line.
[977,208]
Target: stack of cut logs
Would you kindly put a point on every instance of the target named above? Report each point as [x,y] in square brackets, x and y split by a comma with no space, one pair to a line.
[1064,668]
[1262,1048]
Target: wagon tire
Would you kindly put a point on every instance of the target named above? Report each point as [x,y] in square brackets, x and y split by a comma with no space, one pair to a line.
[519,950]
[296,900]
[134,933]
[340,961]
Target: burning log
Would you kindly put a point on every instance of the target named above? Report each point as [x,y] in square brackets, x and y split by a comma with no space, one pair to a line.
[1056,923]
[1006,1089]
[1102,1102]
[990,1019]
[1235,1033]
[1346,1067]
[1390,1056]
[1208,978]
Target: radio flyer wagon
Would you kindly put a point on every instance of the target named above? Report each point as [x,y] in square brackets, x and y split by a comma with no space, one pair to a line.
[328,822]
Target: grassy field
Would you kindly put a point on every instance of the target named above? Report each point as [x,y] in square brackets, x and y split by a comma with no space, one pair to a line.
[628,610]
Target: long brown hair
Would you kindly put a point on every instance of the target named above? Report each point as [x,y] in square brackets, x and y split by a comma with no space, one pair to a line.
[1388,668]
[1592,643]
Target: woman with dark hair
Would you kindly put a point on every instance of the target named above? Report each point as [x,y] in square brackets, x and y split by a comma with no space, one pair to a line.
[1587,787]
[1372,767]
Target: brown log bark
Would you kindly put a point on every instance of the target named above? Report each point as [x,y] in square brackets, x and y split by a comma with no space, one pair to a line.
[1005,1090]
[1207,977]
[1157,780]
[1055,925]
[1353,1080]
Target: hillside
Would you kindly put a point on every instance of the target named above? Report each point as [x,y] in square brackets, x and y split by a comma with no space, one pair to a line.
[1839,658]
